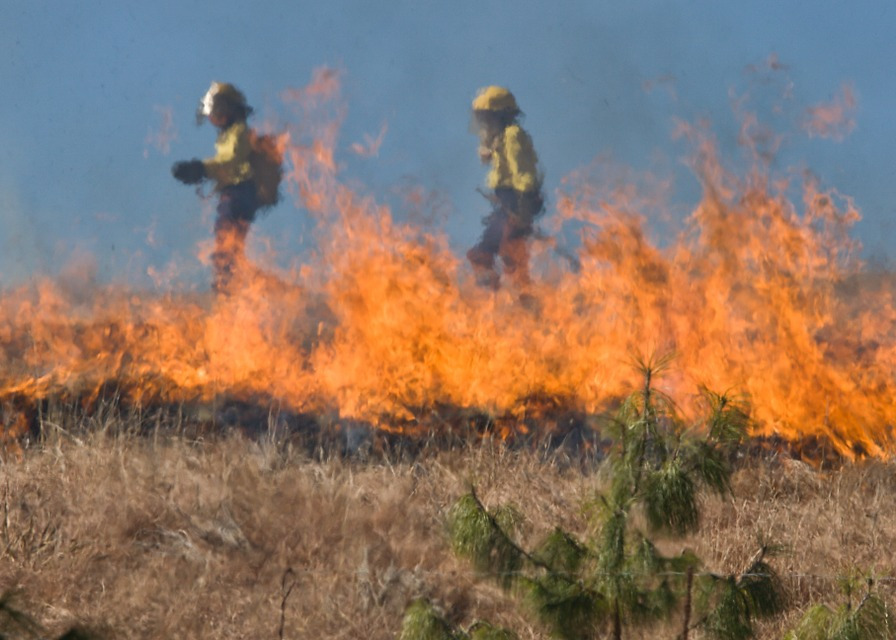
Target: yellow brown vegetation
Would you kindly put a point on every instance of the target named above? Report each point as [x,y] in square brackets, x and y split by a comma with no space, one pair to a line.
[158,536]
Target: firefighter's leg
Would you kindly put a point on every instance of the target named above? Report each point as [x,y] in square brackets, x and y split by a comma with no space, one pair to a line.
[514,253]
[236,210]
[530,205]
[482,256]
[229,254]
[230,241]
[514,248]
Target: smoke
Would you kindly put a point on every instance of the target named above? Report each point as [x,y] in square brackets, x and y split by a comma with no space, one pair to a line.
[371,145]
[21,252]
[78,277]
[161,136]
[834,119]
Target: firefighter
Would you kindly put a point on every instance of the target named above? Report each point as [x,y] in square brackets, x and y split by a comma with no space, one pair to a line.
[514,183]
[231,171]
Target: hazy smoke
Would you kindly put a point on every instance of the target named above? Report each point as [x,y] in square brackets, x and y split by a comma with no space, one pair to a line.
[834,119]
[163,135]
[371,146]
[20,252]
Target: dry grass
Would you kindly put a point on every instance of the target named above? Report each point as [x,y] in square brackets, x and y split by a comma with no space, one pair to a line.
[161,537]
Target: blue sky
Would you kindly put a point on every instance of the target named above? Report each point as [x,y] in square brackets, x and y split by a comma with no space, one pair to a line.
[86,85]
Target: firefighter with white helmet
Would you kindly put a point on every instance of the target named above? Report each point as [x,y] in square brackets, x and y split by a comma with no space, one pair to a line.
[515,184]
[231,171]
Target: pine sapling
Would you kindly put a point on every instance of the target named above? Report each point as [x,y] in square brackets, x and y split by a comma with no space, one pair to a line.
[616,577]
[864,615]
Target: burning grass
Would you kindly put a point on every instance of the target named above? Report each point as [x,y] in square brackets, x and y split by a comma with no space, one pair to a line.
[759,291]
[132,528]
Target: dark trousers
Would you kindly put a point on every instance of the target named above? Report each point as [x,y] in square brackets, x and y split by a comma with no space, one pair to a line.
[237,205]
[507,230]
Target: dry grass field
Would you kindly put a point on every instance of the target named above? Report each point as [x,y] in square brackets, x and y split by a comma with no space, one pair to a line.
[161,536]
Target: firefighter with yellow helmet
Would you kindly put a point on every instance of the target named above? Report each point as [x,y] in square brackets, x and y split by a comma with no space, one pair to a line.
[515,185]
[231,171]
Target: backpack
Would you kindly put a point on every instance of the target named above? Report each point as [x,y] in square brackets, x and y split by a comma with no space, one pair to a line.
[266,160]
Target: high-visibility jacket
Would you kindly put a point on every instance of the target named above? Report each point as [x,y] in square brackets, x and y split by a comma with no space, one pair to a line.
[230,164]
[513,162]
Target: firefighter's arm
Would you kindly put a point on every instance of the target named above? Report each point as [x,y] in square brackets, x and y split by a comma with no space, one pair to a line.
[231,150]
[521,159]
[217,166]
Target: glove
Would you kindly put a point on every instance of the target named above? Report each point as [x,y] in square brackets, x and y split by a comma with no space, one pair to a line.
[189,171]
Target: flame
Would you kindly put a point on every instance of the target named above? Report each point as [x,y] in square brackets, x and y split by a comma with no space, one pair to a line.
[760,293]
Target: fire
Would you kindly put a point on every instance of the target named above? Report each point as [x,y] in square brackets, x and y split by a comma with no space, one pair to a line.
[760,294]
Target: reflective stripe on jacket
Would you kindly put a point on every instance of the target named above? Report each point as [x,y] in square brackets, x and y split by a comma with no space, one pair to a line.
[230,165]
[513,162]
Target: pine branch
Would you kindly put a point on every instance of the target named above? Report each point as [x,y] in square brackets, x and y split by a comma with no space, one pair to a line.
[558,593]
[535,559]
[482,630]
[421,622]
[477,534]
[753,593]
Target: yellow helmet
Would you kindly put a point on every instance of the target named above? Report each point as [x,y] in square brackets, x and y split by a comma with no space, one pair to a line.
[494,99]
[226,92]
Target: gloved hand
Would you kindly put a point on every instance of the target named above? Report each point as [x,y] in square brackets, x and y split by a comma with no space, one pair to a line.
[189,171]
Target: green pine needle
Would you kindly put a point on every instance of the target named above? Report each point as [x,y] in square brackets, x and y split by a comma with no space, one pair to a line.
[815,625]
[740,600]
[560,553]
[872,619]
[478,535]
[670,500]
[422,622]
[731,619]
[611,552]
[567,607]
[711,466]
[729,418]
[486,631]
[764,590]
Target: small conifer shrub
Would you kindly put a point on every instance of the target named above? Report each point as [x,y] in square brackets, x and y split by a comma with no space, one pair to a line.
[617,578]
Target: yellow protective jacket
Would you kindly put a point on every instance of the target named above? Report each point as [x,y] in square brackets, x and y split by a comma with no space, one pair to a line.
[230,165]
[513,162]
